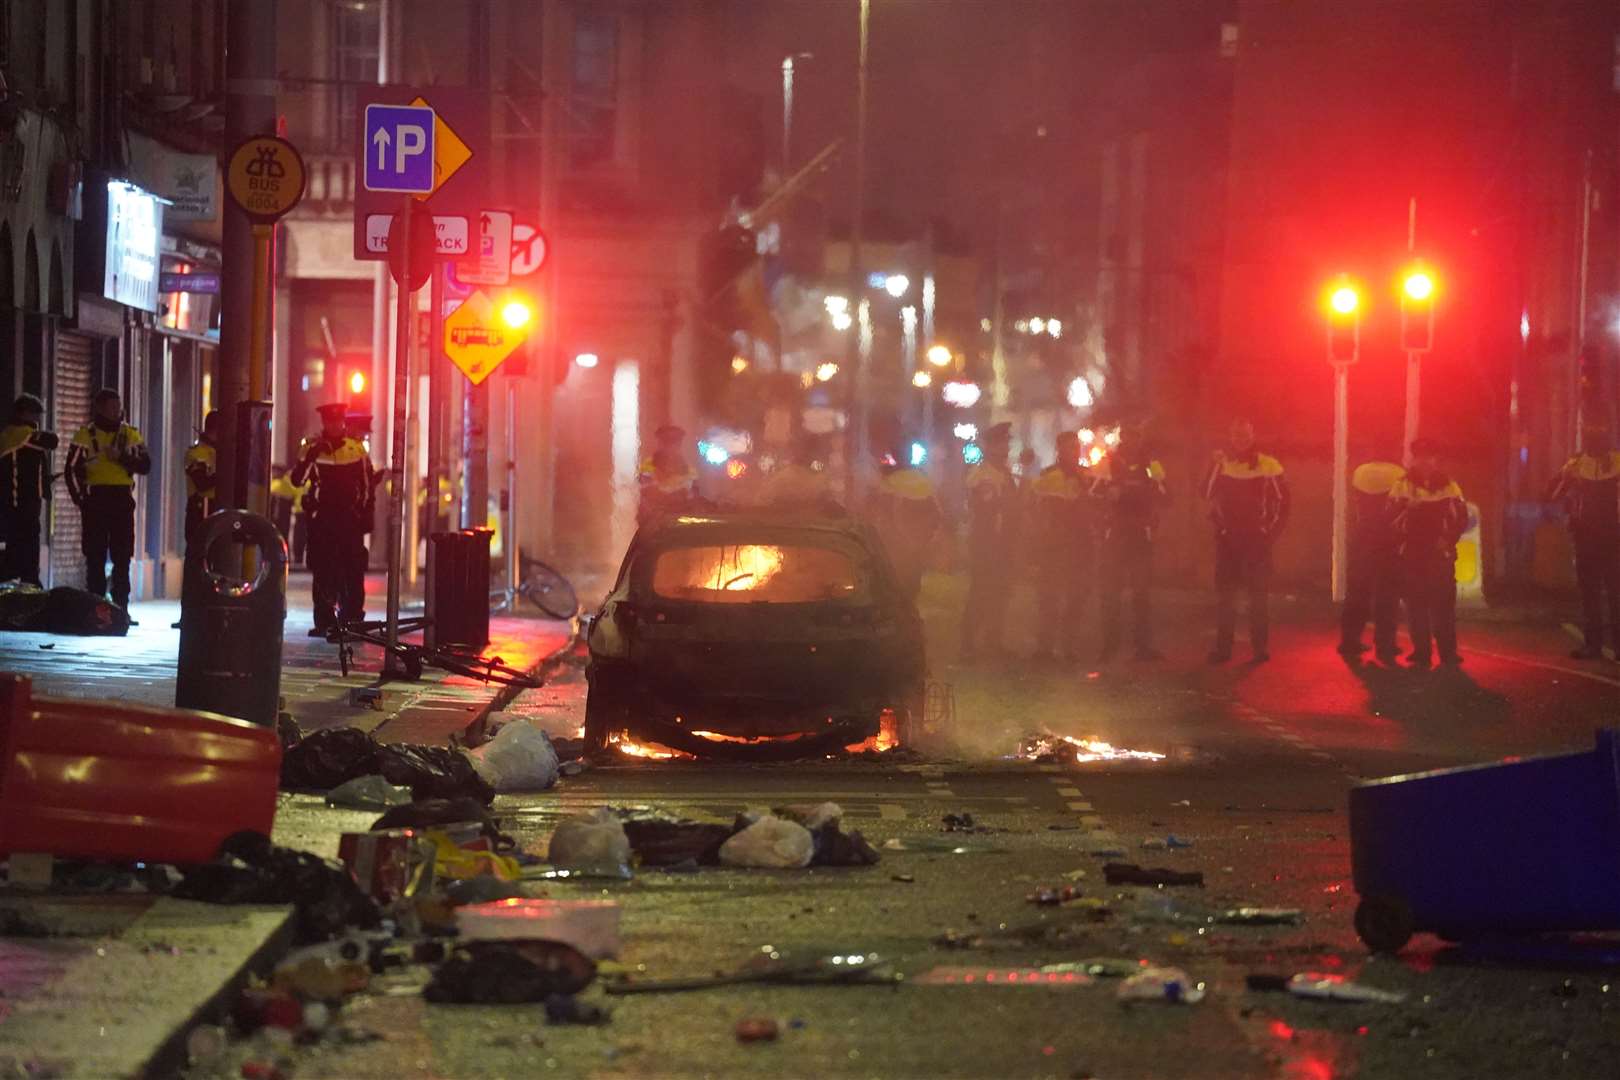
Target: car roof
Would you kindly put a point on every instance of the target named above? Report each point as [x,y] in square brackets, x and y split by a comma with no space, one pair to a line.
[742,520]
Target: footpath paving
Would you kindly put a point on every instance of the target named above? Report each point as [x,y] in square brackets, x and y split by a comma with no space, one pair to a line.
[141,667]
[108,985]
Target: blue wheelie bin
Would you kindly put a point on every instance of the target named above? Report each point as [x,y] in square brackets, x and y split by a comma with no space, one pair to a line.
[1523,846]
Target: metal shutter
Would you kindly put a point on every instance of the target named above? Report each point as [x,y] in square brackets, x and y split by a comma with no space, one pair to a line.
[70,410]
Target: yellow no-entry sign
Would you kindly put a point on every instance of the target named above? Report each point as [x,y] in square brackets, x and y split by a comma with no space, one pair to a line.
[265,177]
[477,336]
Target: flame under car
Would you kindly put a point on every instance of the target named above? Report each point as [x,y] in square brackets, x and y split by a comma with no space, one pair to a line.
[749,635]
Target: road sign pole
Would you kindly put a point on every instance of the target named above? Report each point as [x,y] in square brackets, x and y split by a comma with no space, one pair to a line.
[437,402]
[397,459]
[1414,388]
[1341,467]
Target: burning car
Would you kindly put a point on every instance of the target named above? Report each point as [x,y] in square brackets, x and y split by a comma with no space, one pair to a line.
[754,634]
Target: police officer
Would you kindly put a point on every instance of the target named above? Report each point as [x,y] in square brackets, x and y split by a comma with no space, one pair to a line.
[992,512]
[1372,581]
[102,463]
[1063,550]
[1129,482]
[904,509]
[668,481]
[1430,517]
[796,483]
[339,500]
[1248,502]
[202,482]
[1589,487]
[25,485]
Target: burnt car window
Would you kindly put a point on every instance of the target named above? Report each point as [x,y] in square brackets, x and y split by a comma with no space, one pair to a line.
[755,573]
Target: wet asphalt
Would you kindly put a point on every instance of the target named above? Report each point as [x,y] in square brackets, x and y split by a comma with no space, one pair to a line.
[1258,762]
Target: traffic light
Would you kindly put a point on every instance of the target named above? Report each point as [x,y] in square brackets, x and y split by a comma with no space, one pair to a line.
[357,383]
[1343,322]
[1417,310]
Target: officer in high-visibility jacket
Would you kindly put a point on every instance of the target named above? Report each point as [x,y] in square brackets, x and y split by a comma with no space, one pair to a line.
[1430,517]
[1373,577]
[287,508]
[668,482]
[1248,502]
[338,474]
[102,463]
[904,509]
[202,479]
[992,514]
[1064,552]
[1129,483]
[1589,487]
[25,488]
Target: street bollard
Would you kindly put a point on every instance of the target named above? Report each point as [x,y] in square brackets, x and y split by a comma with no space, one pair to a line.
[458,589]
[230,628]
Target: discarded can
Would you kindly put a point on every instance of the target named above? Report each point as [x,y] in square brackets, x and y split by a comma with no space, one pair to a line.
[1053,897]
[757,1029]
[388,865]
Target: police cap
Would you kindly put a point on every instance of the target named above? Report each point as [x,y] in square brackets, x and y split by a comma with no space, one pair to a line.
[334,410]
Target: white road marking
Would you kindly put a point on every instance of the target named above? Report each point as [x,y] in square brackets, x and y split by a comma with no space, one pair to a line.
[1081,806]
[1577,672]
[891,811]
[1069,792]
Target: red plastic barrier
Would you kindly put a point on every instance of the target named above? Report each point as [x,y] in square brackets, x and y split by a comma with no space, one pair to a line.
[126,783]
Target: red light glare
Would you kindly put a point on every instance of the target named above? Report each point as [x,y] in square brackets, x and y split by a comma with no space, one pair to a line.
[1344,300]
[357,382]
[1418,286]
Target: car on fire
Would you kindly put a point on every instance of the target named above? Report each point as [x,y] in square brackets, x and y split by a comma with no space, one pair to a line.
[755,634]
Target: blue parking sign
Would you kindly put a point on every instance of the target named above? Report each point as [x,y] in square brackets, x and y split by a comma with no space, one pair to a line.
[398,148]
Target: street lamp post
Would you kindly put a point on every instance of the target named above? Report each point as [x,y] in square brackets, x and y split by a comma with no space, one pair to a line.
[855,452]
[1344,349]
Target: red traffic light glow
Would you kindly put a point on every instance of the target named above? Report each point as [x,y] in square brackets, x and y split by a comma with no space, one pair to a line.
[1344,300]
[357,382]
[1418,285]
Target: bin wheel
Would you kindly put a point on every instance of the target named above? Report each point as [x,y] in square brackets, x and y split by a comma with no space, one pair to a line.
[345,658]
[1384,923]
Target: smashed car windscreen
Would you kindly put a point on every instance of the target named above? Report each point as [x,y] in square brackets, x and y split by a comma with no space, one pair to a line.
[754,573]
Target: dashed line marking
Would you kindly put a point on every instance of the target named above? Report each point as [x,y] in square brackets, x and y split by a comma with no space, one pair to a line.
[1070,792]
[1549,667]
[1049,768]
[1080,806]
[891,811]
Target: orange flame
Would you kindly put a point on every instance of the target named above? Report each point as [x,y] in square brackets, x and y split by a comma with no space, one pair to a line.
[887,737]
[624,744]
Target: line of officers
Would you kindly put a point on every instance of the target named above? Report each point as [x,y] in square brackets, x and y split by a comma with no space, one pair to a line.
[326,500]
[1093,529]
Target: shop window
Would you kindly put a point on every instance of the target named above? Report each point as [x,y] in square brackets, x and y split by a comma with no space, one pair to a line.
[356,55]
[593,97]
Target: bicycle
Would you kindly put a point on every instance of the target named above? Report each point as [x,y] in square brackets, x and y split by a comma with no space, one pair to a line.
[547,589]
[413,658]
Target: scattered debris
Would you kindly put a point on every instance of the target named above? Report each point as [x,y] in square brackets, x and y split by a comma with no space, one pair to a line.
[1098,967]
[948,975]
[1328,987]
[519,758]
[904,879]
[1053,897]
[1166,984]
[368,793]
[1046,746]
[568,1009]
[842,969]
[432,813]
[770,842]
[1261,916]
[591,845]
[251,871]
[1131,874]
[509,973]
[757,1029]
[591,926]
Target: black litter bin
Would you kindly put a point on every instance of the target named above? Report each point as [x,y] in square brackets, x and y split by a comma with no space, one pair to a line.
[458,589]
[230,628]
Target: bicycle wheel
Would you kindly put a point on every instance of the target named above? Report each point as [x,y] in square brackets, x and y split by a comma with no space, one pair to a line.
[550,591]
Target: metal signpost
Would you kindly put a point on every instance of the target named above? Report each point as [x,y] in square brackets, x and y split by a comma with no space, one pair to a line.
[477,338]
[407,150]
[265,177]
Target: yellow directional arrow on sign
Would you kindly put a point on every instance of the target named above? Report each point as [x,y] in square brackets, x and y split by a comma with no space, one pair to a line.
[449,152]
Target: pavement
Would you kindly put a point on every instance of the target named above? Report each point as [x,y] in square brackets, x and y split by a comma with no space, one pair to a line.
[108,985]
[1257,764]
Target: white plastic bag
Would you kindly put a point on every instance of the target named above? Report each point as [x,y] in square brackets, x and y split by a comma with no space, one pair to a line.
[518,758]
[592,844]
[770,842]
[368,793]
